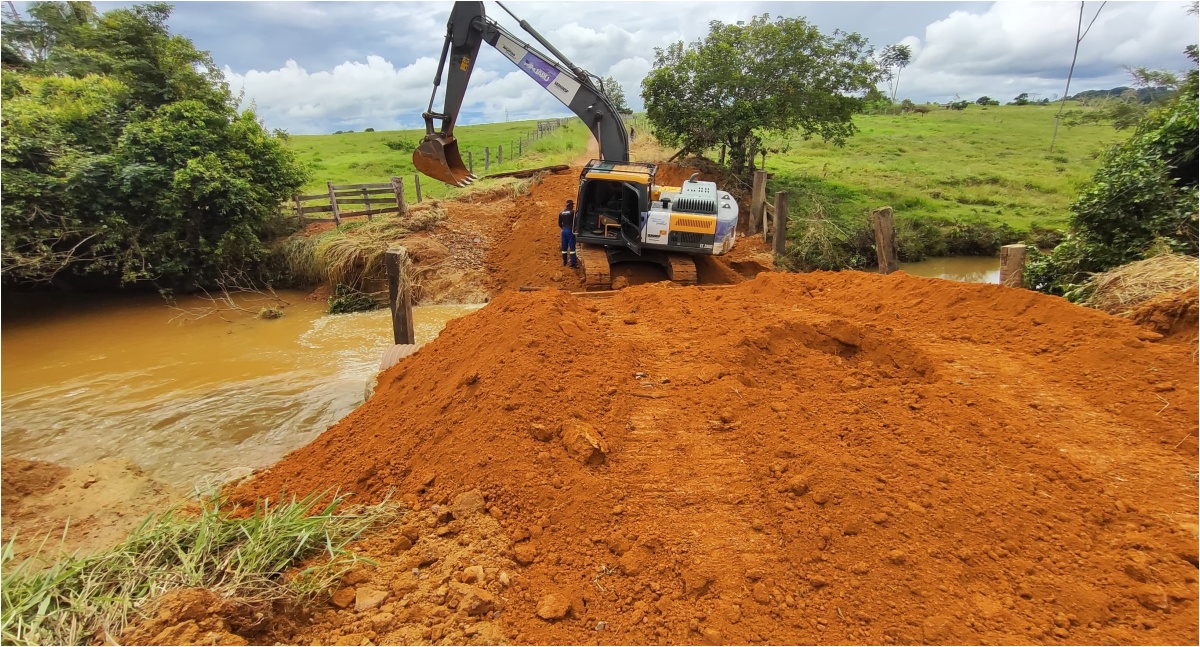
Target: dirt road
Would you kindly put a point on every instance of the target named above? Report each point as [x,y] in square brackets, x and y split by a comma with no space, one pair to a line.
[832,458]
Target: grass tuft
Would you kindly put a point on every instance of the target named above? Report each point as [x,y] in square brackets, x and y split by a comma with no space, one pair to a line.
[78,599]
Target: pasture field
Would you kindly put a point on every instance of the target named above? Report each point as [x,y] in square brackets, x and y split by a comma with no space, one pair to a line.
[989,165]
[365,157]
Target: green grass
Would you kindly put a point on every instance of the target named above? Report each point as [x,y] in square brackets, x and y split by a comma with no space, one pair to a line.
[362,157]
[73,599]
[991,165]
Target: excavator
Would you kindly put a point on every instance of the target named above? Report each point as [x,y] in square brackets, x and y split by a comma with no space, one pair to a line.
[621,213]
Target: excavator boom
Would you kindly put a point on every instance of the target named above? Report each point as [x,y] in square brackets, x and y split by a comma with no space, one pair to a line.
[438,157]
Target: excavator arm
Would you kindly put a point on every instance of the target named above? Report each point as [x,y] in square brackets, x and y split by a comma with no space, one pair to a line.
[468,27]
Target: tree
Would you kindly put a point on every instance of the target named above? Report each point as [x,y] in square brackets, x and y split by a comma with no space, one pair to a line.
[1021,99]
[984,100]
[742,82]
[893,59]
[125,157]
[615,93]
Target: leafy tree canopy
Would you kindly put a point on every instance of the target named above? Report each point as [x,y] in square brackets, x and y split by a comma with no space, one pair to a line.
[616,94]
[742,81]
[124,155]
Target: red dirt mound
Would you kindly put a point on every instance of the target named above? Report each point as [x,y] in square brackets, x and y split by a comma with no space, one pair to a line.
[829,457]
[1173,315]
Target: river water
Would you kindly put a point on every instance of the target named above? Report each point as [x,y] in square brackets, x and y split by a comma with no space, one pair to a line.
[190,400]
[968,269]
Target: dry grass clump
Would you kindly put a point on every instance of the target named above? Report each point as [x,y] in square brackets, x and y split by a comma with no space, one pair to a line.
[352,253]
[1119,290]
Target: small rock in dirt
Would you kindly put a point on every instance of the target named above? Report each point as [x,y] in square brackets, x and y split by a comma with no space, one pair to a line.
[817,581]
[629,321]
[366,598]
[760,593]
[619,283]
[553,606]
[476,601]
[852,528]
[401,544]
[343,597]
[696,582]
[525,554]
[355,577]
[820,497]
[860,568]
[468,504]
[798,485]
[381,621]
[897,556]
[879,517]
[472,574]
[540,432]
[503,579]
[583,442]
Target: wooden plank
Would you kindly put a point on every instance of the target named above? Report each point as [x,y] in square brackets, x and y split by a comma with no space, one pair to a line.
[333,203]
[400,296]
[317,196]
[398,189]
[370,212]
[885,241]
[359,200]
[372,185]
[387,188]
[781,222]
[318,208]
[1012,266]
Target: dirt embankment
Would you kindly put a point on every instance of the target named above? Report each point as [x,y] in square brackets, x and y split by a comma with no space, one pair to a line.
[829,457]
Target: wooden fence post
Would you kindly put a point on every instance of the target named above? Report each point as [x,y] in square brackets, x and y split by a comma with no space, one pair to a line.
[1012,266]
[470,163]
[367,201]
[758,202]
[398,189]
[337,216]
[417,182]
[400,296]
[487,158]
[781,222]
[885,241]
[520,147]
[299,209]
[499,154]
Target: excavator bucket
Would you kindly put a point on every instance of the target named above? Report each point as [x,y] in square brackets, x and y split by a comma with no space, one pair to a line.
[438,158]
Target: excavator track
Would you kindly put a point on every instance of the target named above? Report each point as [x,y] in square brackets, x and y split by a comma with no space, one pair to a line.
[594,261]
[681,269]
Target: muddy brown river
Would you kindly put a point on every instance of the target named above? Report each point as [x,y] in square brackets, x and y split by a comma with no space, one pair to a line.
[90,377]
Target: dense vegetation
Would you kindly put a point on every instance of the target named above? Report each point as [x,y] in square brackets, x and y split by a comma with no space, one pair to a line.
[125,157]
[1142,200]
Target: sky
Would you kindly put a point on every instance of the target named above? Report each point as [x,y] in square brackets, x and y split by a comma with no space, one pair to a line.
[316,67]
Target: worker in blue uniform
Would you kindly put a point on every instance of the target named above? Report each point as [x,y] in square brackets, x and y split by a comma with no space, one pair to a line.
[566,221]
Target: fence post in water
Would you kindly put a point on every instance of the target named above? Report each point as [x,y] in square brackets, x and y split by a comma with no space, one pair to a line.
[400,295]
[885,241]
[417,182]
[398,189]
[758,202]
[1012,266]
[337,217]
[470,163]
[781,207]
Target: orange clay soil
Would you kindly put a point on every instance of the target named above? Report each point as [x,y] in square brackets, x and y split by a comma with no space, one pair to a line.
[817,458]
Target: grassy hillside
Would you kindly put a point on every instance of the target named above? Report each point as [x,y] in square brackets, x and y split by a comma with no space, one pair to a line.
[361,157]
[981,164]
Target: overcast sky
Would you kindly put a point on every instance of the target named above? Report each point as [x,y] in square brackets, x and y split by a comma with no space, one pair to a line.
[316,67]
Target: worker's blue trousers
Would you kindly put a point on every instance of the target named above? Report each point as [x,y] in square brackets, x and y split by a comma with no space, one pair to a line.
[568,246]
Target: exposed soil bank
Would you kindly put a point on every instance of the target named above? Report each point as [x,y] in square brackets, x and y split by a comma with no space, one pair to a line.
[830,457]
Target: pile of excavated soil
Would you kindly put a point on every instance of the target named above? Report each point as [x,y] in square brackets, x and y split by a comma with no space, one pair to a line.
[1173,315]
[828,457]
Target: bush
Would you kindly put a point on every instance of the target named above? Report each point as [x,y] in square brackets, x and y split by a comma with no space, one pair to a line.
[346,299]
[368,130]
[399,144]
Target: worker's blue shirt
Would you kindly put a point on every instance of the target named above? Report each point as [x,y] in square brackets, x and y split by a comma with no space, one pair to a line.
[566,218]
